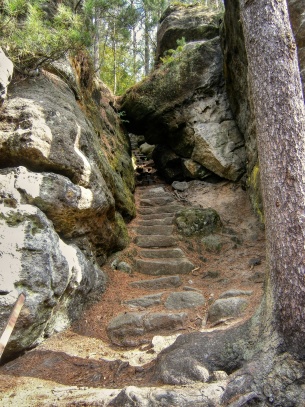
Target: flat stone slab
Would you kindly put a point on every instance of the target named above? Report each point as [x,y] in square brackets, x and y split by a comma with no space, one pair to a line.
[159,209]
[155,241]
[158,283]
[153,222]
[160,201]
[165,230]
[162,253]
[189,288]
[227,308]
[145,301]
[144,194]
[235,293]
[209,394]
[154,190]
[180,186]
[160,215]
[126,328]
[159,267]
[186,299]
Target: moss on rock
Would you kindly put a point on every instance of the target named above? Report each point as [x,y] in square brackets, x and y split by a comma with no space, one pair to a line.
[198,222]
[254,186]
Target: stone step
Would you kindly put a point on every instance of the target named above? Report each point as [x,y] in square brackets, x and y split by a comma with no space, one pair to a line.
[145,301]
[144,194]
[127,328]
[184,299]
[158,283]
[162,253]
[155,190]
[154,222]
[160,201]
[156,267]
[155,241]
[164,230]
[161,215]
[143,210]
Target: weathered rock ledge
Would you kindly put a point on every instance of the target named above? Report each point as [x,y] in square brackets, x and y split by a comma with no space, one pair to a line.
[66,182]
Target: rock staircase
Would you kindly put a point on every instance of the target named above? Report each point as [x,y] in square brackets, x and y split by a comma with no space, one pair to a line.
[164,309]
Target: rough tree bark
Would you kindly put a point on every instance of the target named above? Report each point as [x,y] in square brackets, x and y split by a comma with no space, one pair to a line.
[275,84]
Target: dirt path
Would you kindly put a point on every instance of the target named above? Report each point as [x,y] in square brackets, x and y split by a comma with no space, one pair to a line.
[82,366]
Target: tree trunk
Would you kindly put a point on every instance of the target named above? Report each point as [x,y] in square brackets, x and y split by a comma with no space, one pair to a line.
[134,54]
[278,104]
[114,52]
[96,41]
[147,44]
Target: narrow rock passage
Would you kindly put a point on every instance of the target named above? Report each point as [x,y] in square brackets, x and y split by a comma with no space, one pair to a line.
[171,287]
[157,255]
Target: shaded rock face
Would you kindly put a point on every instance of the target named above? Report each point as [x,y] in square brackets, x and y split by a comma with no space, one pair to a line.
[191,22]
[55,276]
[66,182]
[235,72]
[183,107]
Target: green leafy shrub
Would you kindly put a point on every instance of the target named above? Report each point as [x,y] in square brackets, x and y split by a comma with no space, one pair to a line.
[171,54]
[31,38]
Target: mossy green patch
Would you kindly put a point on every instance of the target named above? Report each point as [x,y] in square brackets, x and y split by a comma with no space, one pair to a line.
[121,231]
[212,243]
[254,186]
[198,222]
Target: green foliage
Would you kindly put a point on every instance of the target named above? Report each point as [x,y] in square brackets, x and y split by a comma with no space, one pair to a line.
[172,54]
[210,4]
[31,38]
[120,34]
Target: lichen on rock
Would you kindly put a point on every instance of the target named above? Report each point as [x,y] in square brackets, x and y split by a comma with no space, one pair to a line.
[198,222]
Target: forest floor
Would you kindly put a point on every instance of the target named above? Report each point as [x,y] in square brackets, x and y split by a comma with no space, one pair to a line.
[80,365]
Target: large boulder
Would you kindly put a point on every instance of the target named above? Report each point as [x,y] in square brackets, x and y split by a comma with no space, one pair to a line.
[44,130]
[198,222]
[183,106]
[78,214]
[66,183]
[190,22]
[55,277]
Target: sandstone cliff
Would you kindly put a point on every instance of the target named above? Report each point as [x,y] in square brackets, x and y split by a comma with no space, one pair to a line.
[66,183]
[235,72]
[196,105]
[183,105]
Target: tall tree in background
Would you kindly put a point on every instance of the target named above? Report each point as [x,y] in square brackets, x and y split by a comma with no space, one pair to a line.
[152,11]
[121,34]
[280,119]
[124,37]
[110,25]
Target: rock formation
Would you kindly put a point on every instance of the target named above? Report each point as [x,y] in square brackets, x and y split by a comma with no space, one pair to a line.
[6,72]
[235,72]
[66,183]
[183,106]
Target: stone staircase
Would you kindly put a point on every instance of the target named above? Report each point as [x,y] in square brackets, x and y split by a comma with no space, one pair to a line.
[165,308]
